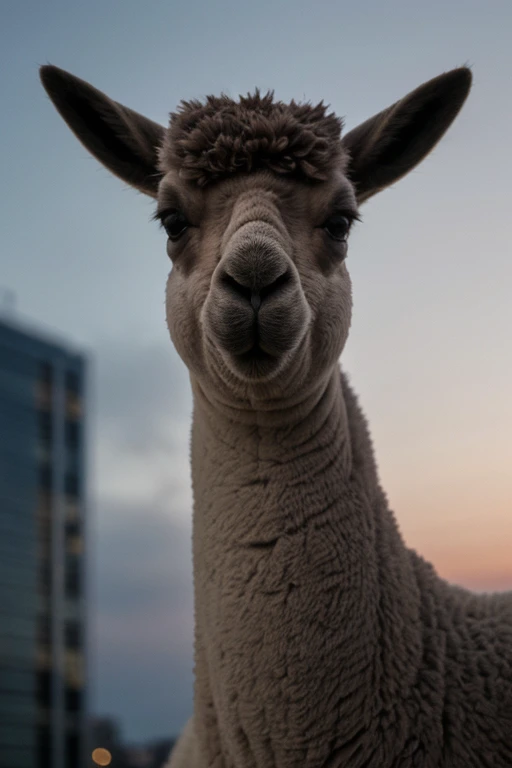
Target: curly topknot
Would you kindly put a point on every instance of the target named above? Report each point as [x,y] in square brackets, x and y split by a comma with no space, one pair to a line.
[209,141]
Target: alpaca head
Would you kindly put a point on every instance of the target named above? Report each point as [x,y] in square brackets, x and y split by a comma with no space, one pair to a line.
[257,199]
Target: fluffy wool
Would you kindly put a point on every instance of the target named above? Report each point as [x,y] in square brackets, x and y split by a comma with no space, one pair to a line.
[330,643]
[207,142]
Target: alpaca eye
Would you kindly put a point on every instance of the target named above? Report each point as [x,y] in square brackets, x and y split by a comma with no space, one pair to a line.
[337,227]
[175,224]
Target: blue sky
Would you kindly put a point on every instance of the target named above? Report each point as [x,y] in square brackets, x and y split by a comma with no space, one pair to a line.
[429,350]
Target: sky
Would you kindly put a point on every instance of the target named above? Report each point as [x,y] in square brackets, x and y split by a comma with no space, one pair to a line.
[429,351]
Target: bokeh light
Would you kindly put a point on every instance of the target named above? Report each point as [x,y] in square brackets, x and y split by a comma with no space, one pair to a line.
[101,756]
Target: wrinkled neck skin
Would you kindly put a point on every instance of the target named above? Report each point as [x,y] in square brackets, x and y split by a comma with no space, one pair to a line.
[297,618]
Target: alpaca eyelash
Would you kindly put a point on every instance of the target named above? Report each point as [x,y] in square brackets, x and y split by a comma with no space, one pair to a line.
[351,215]
[159,215]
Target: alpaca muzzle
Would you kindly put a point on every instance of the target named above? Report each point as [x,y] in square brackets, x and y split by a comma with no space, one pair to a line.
[256,309]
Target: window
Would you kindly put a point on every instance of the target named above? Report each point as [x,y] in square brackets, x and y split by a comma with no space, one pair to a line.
[44,505]
[72,749]
[72,430]
[72,528]
[45,427]
[45,578]
[44,631]
[74,543]
[72,383]
[44,387]
[44,688]
[44,746]
[45,478]
[73,407]
[46,373]
[74,669]
[72,699]
[71,484]
[45,501]
[72,578]
[43,659]
[72,635]
[72,510]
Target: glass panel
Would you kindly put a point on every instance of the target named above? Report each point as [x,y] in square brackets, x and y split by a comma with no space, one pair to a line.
[44,631]
[44,747]
[71,484]
[72,509]
[72,580]
[72,382]
[73,406]
[44,659]
[44,688]
[72,435]
[45,427]
[73,699]
[72,749]
[74,545]
[45,478]
[44,387]
[72,634]
[74,668]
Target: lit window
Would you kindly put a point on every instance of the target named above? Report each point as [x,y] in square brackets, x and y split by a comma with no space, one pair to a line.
[74,545]
[72,509]
[44,388]
[43,658]
[73,406]
[74,668]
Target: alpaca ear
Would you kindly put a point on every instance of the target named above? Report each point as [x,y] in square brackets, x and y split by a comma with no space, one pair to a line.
[124,141]
[390,144]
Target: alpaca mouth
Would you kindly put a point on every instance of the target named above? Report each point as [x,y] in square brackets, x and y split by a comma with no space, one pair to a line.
[256,342]
[255,354]
[255,363]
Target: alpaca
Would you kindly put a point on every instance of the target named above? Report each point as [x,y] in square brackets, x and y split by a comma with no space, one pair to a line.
[320,638]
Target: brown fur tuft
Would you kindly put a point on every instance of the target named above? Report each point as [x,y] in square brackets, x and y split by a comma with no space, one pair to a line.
[209,141]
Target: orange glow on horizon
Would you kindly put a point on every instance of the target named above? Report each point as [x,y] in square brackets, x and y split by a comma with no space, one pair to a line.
[461,524]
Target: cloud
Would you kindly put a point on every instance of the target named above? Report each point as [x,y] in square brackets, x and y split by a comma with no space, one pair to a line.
[142,426]
[142,599]
[141,387]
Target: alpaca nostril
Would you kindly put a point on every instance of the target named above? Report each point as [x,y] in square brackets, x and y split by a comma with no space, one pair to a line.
[236,287]
[255,295]
[276,284]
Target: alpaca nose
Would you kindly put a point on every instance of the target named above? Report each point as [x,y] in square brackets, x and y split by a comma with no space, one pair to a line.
[255,291]
[256,268]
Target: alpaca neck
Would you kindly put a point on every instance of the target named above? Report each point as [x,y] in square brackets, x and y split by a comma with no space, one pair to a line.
[290,530]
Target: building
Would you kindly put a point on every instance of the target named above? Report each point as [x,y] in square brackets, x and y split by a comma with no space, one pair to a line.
[42,531]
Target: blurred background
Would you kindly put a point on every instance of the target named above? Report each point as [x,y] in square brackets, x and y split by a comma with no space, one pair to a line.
[96,617]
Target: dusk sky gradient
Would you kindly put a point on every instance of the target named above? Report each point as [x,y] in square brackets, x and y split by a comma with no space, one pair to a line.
[429,353]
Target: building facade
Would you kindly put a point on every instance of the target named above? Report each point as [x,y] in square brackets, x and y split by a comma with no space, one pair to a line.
[42,552]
